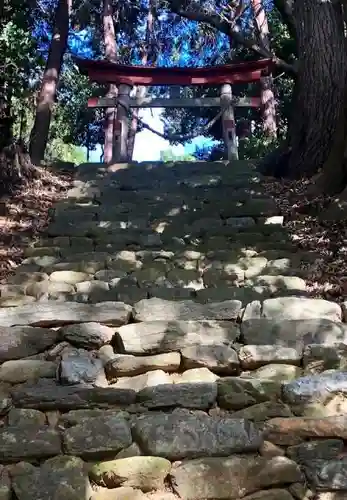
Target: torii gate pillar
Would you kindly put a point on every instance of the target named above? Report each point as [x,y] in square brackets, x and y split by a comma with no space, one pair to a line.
[128,76]
[228,122]
[121,127]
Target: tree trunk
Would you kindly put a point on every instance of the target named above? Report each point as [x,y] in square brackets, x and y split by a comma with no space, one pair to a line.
[40,130]
[111,55]
[6,119]
[319,95]
[141,91]
[266,83]
[268,106]
[333,178]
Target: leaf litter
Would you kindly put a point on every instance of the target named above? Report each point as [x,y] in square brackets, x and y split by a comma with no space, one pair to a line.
[326,276]
[26,213]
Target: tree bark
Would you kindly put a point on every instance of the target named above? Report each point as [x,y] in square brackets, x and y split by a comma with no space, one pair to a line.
[266,83]
[111,55]
[6,119]
[319,96]
[46,98]
[141,91]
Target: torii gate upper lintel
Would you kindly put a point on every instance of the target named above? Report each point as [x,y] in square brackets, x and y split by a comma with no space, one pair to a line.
[105,72]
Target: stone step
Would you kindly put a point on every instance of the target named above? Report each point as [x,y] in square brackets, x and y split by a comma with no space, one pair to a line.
[159,342]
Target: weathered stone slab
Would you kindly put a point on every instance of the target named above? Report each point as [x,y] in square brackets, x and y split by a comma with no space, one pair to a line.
[155,309]
[318,358]
[328,474]
[275,371]
[88,335]
[254,356]
[264,411]
[92,286]
[23,370]
[79,366]
[293,333]
[49,289]
[236,393]
[128,365]
[224,292]
[20,342]
[28,442]
[129,294]
[47,395]
[185,434]
[20,300]
[194,375]
[277,285]
[219,359]
[21,417]
[139,382]
[163,336]
[186,395]
[58,313]
[97,437]
[59,477]
[314,388]
[233,477]
[77,417]
[69,276]
[325,449]
[240,222]
[144,473]
[41,251]
[289,308]
[305,427]
[176,293]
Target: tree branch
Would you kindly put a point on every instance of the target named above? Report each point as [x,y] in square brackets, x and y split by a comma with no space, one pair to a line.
[230,30]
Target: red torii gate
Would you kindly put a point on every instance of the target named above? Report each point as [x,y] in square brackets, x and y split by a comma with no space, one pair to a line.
[126,77]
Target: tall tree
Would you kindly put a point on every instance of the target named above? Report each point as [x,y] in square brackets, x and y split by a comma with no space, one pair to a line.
[266,82]
[47,94]
[147,50]
[111,55]
[316,137]
[317,130]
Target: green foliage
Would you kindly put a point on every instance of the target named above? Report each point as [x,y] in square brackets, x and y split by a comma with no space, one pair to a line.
[73,121]
[18,51]
[74,125]
[184,121]
[58,150]
[256,146]
[168,155]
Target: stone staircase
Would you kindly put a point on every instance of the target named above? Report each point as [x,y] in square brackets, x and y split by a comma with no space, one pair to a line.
[158,343]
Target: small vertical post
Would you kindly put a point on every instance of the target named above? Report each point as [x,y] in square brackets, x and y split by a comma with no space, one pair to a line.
[110,117]
[175,92]
[228,122]
[120,150]
[88,142]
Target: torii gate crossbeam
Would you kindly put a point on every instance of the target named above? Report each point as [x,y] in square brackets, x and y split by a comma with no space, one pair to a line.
[128,76]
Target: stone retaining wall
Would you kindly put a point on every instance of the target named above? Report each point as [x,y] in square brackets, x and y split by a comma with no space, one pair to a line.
[210,407]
